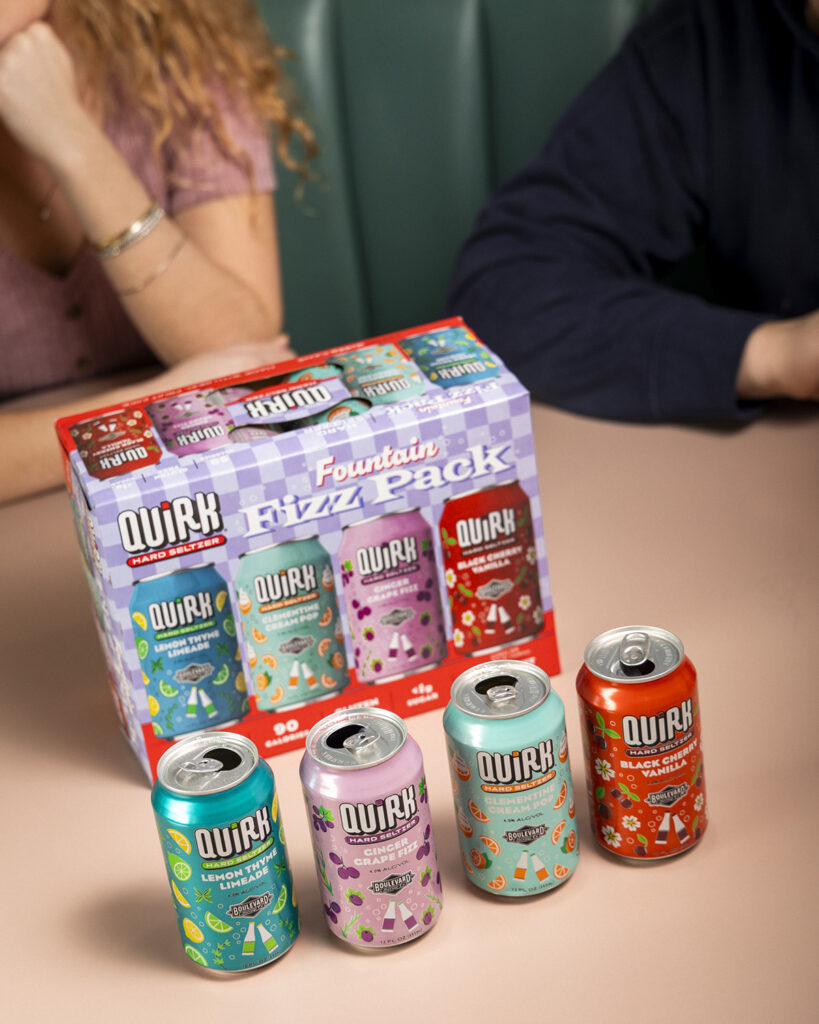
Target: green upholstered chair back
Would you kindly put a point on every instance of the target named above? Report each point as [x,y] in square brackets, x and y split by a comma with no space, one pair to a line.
[420,107]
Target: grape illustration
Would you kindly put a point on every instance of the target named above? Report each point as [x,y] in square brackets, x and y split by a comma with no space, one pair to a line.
[365,934]
[354,897]
[332,910]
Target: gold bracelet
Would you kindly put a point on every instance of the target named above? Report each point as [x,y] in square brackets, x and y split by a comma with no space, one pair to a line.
[158,271]
[135,232]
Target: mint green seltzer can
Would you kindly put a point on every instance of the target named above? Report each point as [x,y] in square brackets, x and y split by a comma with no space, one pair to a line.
[509,761]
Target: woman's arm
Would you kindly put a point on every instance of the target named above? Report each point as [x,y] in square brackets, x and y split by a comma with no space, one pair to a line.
[29,450]
[207,279]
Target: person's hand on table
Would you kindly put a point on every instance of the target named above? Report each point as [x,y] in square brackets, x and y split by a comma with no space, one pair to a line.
[781,360]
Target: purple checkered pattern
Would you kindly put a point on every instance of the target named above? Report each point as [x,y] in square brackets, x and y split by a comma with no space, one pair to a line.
[258,483]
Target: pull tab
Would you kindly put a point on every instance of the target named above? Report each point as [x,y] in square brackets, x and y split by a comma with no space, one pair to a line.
[204,766]
[501,694]
[360,742]
[633,654]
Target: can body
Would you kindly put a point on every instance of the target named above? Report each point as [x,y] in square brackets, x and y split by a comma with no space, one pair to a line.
[509,763]
[451,357]
[368,808]
[491,570]
[381,373]
[342,411]
[291,624]
[217,813]
[185,637]
[194,422]
[640,719]
[120,442]
[390,582]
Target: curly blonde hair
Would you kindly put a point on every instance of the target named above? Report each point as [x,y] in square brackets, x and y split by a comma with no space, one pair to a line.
[165,57]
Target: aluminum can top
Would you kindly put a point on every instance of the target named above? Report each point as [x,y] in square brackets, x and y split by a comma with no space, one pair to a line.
[634,654]
[356,738]
[279,544]
[207,763]
[500,689]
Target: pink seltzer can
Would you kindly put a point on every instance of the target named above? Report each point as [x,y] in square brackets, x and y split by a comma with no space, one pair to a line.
[366,796]
[390,580]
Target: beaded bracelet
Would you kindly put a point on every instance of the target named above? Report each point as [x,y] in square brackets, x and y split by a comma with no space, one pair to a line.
[134,233]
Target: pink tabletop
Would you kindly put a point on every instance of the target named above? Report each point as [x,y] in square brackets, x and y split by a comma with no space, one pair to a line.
[711,535]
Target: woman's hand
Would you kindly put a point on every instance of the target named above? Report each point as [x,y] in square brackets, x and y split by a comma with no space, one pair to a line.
[40,103]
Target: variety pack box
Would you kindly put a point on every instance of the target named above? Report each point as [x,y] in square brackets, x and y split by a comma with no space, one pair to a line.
[351,528]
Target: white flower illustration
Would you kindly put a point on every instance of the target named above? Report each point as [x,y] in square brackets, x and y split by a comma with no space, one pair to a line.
[699,803]
[468,618]
[524,602]
[457,638]
[531,556]
[450,577]
[630,822]
[603,769]
[611,836]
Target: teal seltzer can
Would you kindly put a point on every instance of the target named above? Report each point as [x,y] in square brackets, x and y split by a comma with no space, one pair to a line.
[294,640]
[451,356]
[512,784]
[185,637]
[217,812]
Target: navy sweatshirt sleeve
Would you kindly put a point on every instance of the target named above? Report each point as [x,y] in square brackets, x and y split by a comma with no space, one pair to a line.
[560,275]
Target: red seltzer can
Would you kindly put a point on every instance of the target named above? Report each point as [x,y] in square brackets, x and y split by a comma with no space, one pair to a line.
[491,571]
[642,742]
[119,442]
[366,794]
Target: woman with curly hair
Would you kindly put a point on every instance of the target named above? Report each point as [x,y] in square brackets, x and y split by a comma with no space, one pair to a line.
[136,217]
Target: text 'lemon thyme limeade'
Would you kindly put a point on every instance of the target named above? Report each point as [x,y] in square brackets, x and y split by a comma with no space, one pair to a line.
[217,812]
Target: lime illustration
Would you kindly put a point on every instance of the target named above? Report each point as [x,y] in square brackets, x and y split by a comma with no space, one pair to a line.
[142,648]
[140,620]
[167,690]
[217,925]
[179,867]
[158,730]
[229,626]
[281,901]
[196,956]
[221,676]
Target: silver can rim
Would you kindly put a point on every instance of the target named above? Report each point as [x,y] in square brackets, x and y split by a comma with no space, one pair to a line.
[617,634]
[502,666]
[340,717]
[198,742]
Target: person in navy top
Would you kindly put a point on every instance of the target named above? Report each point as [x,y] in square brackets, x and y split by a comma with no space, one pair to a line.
[702,134]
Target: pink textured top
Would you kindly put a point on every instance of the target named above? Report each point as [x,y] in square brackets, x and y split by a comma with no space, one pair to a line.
[55,330]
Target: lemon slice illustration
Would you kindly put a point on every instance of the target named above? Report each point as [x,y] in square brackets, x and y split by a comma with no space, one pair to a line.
[180,898]
[153,705]
[221,597]
[241,685]
[193,931]
[180,840]
[140,620]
